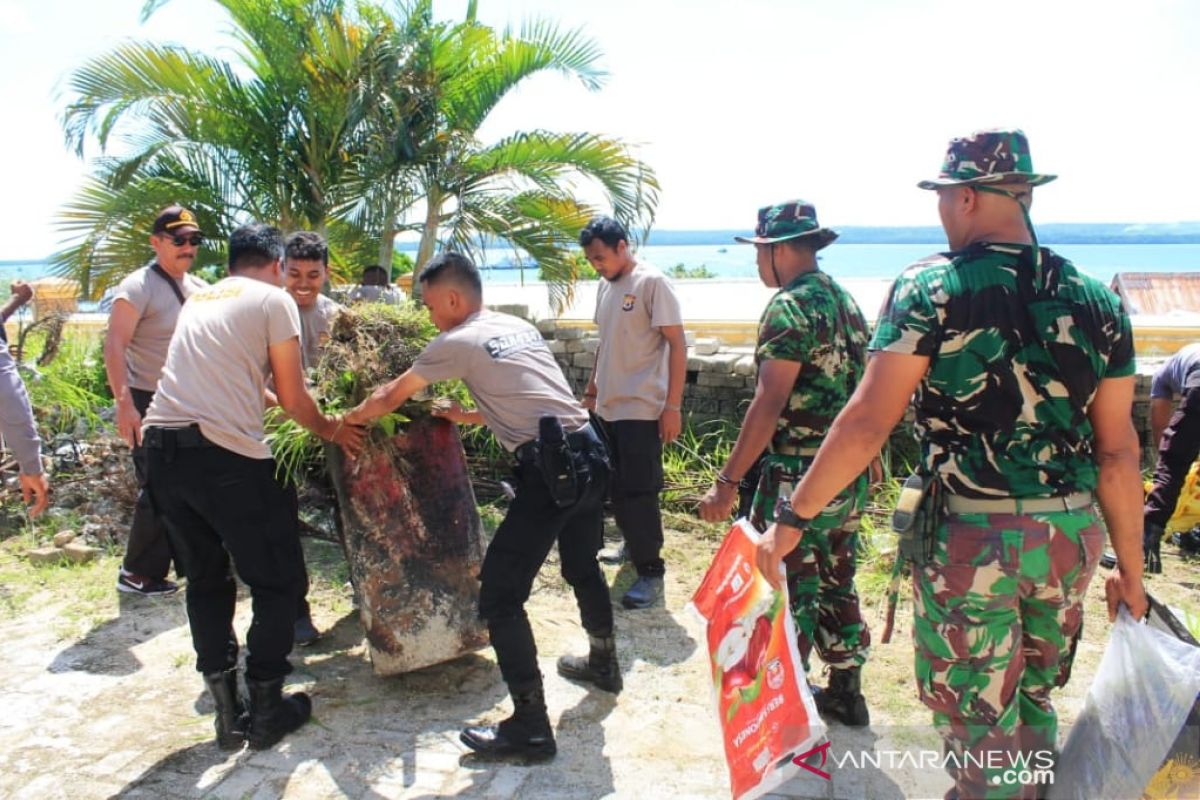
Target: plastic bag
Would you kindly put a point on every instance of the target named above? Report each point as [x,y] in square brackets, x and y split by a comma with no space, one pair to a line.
[764,706]
[1136,707]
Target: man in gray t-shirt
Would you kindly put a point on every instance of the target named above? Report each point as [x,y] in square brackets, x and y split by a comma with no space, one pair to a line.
[375,288]
[145,307]
[1176,433]
[305,271]
[522,395]
[212,478]
[636,390]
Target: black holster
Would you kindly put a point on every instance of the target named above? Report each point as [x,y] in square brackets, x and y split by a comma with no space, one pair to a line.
[916,518]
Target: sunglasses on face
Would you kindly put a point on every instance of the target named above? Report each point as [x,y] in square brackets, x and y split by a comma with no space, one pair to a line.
[195,239]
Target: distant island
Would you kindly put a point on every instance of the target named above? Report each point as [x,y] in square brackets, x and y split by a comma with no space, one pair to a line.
[1053,233]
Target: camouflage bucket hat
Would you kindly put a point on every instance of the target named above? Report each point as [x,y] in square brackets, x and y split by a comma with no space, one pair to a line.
[998,156]
[790,220]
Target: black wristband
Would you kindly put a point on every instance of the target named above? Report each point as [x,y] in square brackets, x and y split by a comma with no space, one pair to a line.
[785,516]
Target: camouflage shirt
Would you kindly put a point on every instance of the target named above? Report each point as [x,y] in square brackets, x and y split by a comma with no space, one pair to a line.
[815,322]
[1002,411]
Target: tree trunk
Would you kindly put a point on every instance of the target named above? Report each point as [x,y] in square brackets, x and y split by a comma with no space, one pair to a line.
[387,243]
[428,238]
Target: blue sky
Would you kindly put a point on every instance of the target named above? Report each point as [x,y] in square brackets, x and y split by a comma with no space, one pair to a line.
[739,104]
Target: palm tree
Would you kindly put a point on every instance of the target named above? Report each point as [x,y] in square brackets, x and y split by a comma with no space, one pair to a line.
[359,125]
[520,189]
[276,146]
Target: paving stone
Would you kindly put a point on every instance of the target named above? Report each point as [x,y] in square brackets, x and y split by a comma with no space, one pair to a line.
[745,366]
[45,555]
[80,553]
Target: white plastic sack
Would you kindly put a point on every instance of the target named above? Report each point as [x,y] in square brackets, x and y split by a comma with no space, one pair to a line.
[1137,704]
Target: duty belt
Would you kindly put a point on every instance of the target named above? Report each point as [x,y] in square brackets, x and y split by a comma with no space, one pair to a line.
[159,438]
[580,440]
[788,450]
[956,504]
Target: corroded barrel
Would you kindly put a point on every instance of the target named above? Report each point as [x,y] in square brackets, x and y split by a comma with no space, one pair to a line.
[413,540]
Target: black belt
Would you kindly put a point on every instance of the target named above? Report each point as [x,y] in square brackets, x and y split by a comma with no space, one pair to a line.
[580,440]
[159,438]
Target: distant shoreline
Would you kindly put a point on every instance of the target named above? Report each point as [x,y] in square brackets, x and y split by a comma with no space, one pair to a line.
[1050,234]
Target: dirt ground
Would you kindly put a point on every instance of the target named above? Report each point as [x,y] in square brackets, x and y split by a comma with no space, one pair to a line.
[100,699]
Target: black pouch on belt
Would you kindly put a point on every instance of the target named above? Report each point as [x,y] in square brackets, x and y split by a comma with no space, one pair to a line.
[556,462]
[915,517]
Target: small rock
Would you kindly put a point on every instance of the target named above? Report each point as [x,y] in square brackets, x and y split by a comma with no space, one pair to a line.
[707,347]
[80,553]
[62,538]
[45,555]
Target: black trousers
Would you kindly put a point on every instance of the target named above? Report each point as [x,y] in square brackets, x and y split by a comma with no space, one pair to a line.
[1178,449]
[635,449]
[220,505]
[530,528]
[148,551]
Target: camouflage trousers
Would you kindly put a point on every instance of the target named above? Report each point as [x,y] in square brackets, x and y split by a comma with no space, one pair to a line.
[820,571]
[997,614]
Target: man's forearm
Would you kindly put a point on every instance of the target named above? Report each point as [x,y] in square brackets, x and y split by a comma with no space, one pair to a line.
[1119,492]
[757,429]
[9,308]
[676,374]
[305,412]
[114,369]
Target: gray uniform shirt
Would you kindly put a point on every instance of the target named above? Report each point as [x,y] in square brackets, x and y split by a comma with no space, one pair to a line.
[632,366]
[218,363]
[1181,371]
[314,328]
[157,309]
[510,371]
[16,417]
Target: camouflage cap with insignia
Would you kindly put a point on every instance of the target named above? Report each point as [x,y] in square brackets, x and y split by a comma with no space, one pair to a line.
[790,220]
[175,219]
[995,156]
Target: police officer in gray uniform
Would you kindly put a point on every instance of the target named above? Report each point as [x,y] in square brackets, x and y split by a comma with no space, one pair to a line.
[562,474]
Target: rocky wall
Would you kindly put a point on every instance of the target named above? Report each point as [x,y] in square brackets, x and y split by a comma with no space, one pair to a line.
[720,379]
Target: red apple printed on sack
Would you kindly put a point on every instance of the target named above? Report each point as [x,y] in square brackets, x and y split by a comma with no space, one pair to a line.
[743,652]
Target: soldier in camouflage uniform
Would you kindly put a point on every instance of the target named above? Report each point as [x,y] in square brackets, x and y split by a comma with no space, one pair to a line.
[1022,371]
[812,347]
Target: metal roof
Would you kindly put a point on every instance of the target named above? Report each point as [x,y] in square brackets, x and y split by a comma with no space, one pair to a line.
[1158,292]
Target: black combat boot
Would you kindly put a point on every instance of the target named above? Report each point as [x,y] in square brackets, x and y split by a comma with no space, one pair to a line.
[599,666]
[231,720]
[273,714]
[525,735]
[843,701]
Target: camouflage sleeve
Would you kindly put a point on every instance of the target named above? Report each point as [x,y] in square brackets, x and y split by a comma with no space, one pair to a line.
[1121,362]
[908,323]
[784,333]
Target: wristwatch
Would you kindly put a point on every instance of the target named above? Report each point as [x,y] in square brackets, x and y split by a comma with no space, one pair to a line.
[785,516]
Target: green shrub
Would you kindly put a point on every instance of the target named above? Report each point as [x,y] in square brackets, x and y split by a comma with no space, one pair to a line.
[682,271]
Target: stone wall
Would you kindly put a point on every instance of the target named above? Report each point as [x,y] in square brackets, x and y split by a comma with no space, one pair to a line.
[720,379]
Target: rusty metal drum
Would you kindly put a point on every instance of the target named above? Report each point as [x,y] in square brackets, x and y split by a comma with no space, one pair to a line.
[413,541]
